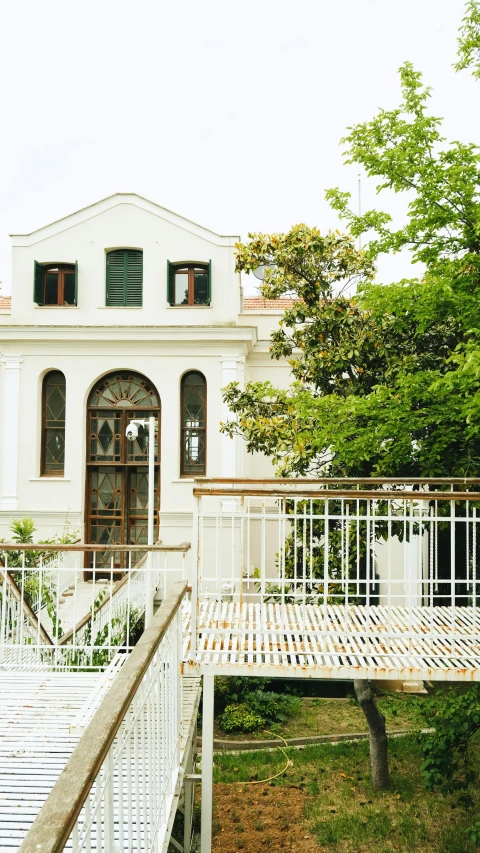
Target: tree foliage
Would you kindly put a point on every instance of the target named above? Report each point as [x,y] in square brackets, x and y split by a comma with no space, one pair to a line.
[469,40]
[386,381]
[454,718]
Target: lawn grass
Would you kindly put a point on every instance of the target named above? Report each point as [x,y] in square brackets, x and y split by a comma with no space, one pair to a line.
[339,811]
[339,716]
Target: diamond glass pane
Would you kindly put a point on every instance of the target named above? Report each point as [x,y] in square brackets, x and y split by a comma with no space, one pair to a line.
[137,525]
[105,436]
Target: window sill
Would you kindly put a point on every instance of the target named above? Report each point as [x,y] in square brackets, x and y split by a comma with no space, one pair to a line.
[120,307]
[189,479]
[49,479]
[202,307]
[55,306]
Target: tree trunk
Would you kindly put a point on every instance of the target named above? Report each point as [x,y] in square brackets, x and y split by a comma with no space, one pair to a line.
[377,735]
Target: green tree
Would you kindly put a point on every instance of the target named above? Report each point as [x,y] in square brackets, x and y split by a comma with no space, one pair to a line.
[469,40]
[386,380]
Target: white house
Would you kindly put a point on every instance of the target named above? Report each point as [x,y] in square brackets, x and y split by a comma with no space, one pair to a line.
[120,310]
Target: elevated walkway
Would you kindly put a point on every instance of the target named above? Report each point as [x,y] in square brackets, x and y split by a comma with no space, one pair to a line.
[310,579]
[42,717]
[96,761]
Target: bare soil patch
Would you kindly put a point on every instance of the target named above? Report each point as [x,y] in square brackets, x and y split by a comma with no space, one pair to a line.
[260,818]
[324,802]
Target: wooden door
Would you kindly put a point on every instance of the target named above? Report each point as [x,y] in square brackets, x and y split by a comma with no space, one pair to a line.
[117,469]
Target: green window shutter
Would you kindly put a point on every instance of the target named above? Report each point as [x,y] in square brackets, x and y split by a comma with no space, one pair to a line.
[76,282]
[38,283]
[170,283]
[124,277]
[209,283]
[115,278]
[133,278]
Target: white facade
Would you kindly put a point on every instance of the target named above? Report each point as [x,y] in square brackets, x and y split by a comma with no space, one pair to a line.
[90,340]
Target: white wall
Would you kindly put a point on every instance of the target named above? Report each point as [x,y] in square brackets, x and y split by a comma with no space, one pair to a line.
[125,223]
[161,342]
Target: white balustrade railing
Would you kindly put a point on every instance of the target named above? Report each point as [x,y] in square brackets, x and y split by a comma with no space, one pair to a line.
[59,571]
[134,740]
[19,625]
[87,614]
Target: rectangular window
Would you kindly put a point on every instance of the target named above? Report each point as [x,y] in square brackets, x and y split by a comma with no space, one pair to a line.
[189,283]
[125,278]
[55,284]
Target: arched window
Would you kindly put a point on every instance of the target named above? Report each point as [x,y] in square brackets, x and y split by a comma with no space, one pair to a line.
[53,424]
[194,422]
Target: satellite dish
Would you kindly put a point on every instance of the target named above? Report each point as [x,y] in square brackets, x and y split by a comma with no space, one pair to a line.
[261,270]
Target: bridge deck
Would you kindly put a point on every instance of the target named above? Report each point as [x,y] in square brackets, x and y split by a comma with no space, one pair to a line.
[42,716]
[440,643]
[36,713]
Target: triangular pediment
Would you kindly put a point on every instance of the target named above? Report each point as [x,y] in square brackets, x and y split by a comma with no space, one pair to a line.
[116,200]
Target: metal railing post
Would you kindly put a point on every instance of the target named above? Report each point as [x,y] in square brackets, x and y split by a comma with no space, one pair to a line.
[207,764]
[196,579]
[151,516]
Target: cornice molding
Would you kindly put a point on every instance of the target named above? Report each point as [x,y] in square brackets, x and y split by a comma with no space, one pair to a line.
[242,335]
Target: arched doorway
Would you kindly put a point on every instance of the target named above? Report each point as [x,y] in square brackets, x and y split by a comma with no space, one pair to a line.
[117,469]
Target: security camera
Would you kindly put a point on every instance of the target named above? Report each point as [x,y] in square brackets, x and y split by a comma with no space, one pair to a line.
[131,432]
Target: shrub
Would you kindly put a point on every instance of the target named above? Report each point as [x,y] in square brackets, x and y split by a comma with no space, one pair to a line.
[455,716]
[258,709]
[240,718]
[234,689]
[273,707]
[449,764]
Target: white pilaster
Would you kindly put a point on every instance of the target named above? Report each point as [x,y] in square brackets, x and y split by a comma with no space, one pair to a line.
[11,414]
[232,371]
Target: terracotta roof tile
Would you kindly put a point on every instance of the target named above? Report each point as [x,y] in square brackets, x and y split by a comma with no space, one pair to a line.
[5,301]
[258,302]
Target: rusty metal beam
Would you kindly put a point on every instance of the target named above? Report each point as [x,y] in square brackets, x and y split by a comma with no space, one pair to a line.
[13,546]
[320,494]
[343,672]
[292,481]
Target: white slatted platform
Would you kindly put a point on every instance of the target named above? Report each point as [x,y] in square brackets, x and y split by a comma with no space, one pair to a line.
[42,716]
[36,713]
[439,643]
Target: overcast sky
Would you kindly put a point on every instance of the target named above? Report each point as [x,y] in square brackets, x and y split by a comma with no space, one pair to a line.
[227,113]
